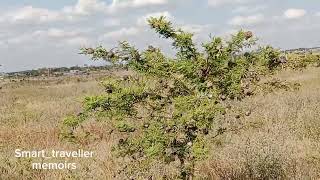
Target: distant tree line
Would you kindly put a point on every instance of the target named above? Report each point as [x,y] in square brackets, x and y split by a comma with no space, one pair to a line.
[59,71]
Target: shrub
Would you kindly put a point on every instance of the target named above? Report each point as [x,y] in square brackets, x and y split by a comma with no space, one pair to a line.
[166,111]
[301,61]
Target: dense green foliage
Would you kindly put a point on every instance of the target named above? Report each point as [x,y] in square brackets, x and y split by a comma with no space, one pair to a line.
[166,109]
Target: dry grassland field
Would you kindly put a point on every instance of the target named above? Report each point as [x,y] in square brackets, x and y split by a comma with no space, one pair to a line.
[280,139]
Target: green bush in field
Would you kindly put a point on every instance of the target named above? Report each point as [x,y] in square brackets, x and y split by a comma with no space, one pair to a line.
[301,61]
[166,110]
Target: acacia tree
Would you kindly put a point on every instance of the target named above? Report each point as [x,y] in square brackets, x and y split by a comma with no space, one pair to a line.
[166,111]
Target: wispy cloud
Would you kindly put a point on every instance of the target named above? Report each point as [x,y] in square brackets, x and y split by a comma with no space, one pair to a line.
[86,7]
[216,3]
[121,33]
[247,20]
[30,14]
[294,13]
[249,9]
[137,3]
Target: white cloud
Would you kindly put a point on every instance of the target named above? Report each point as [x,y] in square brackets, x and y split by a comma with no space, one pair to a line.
[109,22]
[86,7]
[148,2]
[19,39]
[201,32]
[51,35]
[216,3]
[247,20]
[124,32]
[29,14]
[137,3]
[249,9]
[78,41]
[143,20]
[56,33]
[196,28]
[294,13]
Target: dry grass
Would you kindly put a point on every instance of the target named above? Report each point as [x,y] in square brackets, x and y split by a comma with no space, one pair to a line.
[279,140]
[30,115]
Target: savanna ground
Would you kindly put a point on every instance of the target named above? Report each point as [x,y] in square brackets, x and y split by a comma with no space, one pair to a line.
[276,136]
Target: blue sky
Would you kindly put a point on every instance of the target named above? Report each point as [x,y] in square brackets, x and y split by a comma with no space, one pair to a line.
[39,33]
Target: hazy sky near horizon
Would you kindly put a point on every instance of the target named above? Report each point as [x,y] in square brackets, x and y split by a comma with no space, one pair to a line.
[41,33]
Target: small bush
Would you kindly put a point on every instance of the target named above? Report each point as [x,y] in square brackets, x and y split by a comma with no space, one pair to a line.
[167,110]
